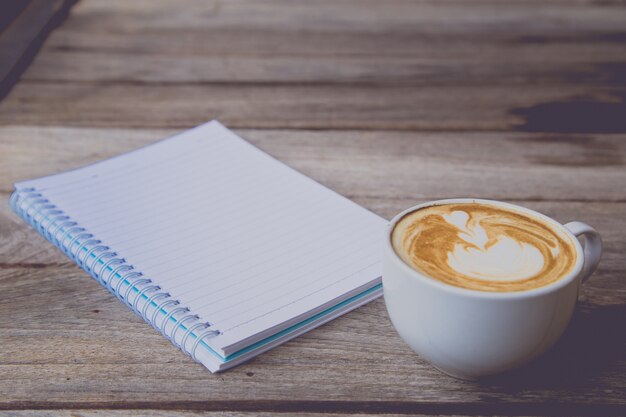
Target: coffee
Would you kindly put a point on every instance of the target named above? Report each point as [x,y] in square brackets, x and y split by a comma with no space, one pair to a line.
[484,247]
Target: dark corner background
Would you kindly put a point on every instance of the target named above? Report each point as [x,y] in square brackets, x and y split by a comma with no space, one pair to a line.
[24,26]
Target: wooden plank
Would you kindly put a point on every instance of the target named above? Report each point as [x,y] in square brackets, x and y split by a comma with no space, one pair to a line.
[431,108]
[401,167]
[21,39]
[336,49]
[501,65]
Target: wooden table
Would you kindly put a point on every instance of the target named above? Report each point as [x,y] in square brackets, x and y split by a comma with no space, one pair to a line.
[389,103]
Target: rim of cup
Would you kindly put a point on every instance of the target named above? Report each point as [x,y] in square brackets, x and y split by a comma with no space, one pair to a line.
[545,289]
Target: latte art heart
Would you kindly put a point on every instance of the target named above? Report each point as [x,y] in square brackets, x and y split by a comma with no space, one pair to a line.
[506,259]
[483,247]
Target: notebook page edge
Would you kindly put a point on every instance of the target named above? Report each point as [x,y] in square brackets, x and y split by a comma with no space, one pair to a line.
[375,292]
[239,344]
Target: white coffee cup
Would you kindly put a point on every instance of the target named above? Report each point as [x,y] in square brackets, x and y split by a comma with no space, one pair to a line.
[468,333]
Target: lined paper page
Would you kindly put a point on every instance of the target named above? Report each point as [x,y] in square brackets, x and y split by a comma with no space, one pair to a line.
[243,240]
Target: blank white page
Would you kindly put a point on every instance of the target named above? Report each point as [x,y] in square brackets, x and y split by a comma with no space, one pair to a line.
[246,242]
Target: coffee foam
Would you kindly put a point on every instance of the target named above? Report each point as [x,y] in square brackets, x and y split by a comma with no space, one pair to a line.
[484,247]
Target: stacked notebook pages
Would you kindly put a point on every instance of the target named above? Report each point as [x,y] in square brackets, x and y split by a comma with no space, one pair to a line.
[224,250]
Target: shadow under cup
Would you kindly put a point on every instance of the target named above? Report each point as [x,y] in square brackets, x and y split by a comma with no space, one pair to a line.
[469,333]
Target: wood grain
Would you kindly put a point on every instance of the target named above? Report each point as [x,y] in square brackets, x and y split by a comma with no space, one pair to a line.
[389,103]
[430,108]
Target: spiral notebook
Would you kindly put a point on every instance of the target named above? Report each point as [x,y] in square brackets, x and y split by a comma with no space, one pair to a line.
[220,247]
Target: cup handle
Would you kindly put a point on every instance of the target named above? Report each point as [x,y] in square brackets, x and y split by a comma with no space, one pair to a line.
[592,246]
